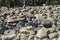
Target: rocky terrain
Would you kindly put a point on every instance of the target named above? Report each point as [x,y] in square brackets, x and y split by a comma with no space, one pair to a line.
[30,23]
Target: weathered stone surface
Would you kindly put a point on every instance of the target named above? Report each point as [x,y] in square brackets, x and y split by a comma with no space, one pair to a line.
[23,30]
[51,30]
[9,34]
[47,24]
[29,28]
[42,33]
[53,35]
[38,16]
[31,37]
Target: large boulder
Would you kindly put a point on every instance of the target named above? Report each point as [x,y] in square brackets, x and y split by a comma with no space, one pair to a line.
[51,30]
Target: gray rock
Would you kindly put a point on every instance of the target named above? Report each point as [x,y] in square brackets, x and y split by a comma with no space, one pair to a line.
[53,35]
[47,24]
[51,30]
[29,28]
[42,33]
[31,37]
[9,34]
[54,39]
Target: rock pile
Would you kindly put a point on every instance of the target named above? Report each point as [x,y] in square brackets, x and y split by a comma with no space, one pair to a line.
[30,23]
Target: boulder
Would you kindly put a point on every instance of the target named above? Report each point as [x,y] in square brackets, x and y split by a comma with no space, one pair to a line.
[53,35]
[9,34]
[38,16]
[31,37]
[54,39]
[47,24]
[23,30]
[29,28]
[42,33]
[51,30]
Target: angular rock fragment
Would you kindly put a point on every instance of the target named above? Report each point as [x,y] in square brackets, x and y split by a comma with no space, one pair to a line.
[42,33]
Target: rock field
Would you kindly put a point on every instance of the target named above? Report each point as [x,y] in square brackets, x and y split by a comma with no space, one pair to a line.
[30,23]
